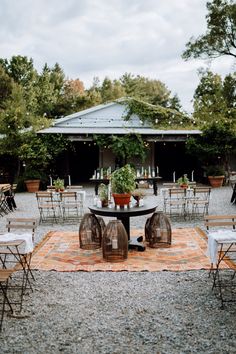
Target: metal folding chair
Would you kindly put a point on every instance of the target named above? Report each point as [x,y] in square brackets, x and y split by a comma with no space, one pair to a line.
[71,205]
[222,247]
[199,203]
[5,276]
[175,202]
[15,255]
[14,242]
[49,206]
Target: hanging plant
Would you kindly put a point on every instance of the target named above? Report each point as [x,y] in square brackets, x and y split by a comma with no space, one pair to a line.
[123,147]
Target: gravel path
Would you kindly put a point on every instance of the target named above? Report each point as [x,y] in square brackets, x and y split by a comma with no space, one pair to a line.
[105,312]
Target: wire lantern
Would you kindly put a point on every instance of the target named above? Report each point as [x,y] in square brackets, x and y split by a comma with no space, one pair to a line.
[158,230]
[115,242]
[102,224]
[90,232]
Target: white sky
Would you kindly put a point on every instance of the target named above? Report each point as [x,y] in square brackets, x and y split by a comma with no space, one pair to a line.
[101,38]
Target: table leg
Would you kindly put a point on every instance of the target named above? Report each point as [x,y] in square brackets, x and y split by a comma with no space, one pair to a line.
[134,242]
[155,187]
[125,221]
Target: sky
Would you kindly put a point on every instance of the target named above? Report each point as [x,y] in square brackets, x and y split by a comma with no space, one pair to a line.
[107,38]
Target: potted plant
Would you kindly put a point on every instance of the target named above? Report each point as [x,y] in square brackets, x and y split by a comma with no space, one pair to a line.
[59,184]
[103,194]
[138,194]
[32,180]
[123,184]
[183,181]
[215,175]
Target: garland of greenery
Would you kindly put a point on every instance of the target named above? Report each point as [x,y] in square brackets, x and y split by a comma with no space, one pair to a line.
[156,115]
[125,146]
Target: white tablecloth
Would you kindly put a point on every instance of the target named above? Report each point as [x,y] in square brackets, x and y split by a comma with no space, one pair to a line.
[27,237]
[216,237]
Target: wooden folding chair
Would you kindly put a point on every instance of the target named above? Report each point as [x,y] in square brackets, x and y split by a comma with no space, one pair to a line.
[5,276]
[49,206]
[221,232]
[16,247]
[199,203]
[71,205]
[175,201]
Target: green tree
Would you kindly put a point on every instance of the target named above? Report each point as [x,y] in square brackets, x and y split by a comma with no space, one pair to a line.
[215,145]
[220,37]
[151,91]
[6,84]
[214,98]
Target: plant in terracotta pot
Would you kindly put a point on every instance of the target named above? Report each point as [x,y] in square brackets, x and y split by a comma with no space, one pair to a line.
[32,178]
[59,184]
[103,194]
[138,194]
[183,181]
[123,184]
[215,175]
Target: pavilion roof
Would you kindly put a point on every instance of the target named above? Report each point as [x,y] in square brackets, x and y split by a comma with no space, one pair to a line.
[107,119]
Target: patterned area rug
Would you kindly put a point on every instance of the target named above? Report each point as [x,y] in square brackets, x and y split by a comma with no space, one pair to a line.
[60,251]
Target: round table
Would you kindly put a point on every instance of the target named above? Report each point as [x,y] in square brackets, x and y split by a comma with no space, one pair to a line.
[124,214]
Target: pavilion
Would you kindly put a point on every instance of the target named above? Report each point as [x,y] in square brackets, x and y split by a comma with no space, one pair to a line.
[166,147]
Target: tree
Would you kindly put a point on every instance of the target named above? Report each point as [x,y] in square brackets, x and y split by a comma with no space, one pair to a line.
[214,98]
[220,37]
[215,145]
[151,91]
[5,86]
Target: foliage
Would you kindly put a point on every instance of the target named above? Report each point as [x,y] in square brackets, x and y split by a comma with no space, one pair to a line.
[214,98]
[139,193]
[123,180]
[220,37]
[124,147]
[103,191]
[215,170]
[183,180]
[149,90]
[214,145]
[158,116]
[59,183]
[31,174]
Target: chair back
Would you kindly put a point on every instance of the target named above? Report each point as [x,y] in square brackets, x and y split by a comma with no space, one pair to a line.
[22,224]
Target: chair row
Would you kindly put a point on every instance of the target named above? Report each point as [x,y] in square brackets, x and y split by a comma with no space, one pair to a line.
[189,202]
[56,206]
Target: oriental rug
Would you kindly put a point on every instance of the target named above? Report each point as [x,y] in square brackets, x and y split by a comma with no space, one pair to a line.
[60,251]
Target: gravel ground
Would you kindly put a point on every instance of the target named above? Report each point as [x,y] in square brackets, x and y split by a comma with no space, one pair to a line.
[125,312]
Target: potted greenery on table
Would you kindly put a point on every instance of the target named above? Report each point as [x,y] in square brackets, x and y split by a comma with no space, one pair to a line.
[103,194]
[59,184]
[183,181]
[123,184]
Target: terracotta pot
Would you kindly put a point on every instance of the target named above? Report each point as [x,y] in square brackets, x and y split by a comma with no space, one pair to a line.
[184,186]
[32,185]
[121,199]
[216,181]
